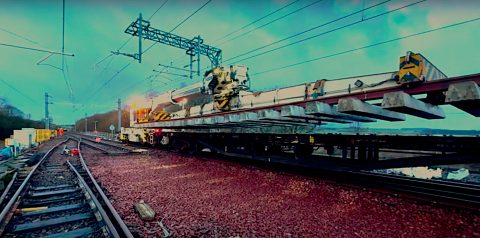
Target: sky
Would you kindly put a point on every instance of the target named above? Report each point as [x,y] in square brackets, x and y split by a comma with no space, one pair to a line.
[95,28]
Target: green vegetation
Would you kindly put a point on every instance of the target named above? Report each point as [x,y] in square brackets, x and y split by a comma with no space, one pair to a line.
[11,118]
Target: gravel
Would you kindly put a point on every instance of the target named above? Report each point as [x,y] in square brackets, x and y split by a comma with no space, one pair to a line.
[194,197]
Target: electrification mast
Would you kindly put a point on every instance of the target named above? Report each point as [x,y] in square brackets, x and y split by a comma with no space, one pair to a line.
[47,115]
[119,125]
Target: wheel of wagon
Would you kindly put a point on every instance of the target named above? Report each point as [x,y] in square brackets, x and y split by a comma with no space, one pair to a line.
[274,149]
[330,149]
[303,151]
[165,140]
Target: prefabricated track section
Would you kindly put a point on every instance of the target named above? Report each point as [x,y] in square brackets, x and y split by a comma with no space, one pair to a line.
[106,148]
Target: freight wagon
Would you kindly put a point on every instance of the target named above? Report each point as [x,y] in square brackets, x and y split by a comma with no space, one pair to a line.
[213,103]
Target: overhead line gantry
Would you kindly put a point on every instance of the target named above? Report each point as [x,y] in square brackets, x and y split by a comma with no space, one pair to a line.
[194,47]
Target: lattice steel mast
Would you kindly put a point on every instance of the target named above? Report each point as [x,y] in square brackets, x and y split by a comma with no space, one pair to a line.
[194,47]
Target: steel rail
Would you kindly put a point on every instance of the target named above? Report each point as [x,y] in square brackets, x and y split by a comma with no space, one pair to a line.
[85,138]
[12,200]
[106,201]
[426,87]
[104,215]
[7,189]
[461,194]
[97,147]
[103,147]
[447,190]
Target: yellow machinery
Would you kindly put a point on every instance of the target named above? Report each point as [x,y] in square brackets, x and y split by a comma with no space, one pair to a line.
[42,135]
[161,115]
[414,67]
[142,115]
[224,87]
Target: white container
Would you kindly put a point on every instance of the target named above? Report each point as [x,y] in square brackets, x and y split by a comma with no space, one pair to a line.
[25,137]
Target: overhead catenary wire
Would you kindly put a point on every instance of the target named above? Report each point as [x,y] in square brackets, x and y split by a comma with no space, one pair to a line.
[111,78]
[66,73]
[326,32]
[255,21]
[245,26]
[19,36]
[272,21]
[131,61]
[35,49]
[151,16]
[67,83]
[259,19]
[309,30]
[368,46]
[131,37]
[18,91]
[181,23]
[123,45]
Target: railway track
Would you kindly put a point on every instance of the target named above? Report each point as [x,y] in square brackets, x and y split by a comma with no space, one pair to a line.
[457,194]
[460,194]
[106,148]
[60,198]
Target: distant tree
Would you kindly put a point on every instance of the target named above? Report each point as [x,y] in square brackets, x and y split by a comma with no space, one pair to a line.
[104,120]
[12,118]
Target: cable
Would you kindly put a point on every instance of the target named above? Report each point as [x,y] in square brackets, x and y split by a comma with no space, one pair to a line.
[69,87]
[108,81]
[66,77]
[310,29]
[63,34]
[255,21]
[326,32]
[105,58]
[186,19]
[179,24]
[19,36]
[158,9]
[245,26]
[313,28]
[368,46]
[131,37]
[272,21]
[124,67]
[18,91]
[34,49]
